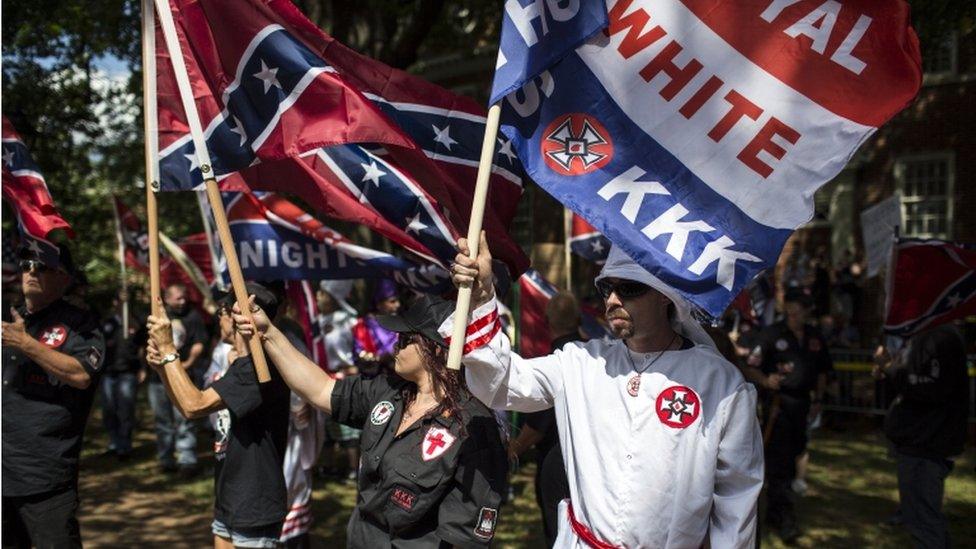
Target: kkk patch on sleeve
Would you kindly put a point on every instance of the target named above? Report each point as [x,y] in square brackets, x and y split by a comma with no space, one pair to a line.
[485,527]
[94,358]
[403,498]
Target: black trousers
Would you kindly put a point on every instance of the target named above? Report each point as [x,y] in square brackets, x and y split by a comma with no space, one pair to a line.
[553,487]
[787,441]
[921,485]
[45,521]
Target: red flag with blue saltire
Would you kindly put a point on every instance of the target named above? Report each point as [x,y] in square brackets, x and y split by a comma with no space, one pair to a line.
[695,133]
[933,282]
[261,87]
[429,138]
[587,242]
[535,338]
[26,191]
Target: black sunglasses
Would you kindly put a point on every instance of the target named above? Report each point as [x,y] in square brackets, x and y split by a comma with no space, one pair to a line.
[28,265]
[625,289]
[404,339]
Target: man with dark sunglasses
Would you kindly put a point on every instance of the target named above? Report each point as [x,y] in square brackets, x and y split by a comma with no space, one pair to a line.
[659,433]
[52,356]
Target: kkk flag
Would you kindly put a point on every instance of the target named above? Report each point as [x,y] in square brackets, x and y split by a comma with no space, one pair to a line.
[302,296]
[261,86]
[587,242]
[277,240]
[693,134]
[134,236]
[933,282]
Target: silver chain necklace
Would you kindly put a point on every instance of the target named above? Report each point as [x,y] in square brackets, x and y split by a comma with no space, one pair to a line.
[633,385]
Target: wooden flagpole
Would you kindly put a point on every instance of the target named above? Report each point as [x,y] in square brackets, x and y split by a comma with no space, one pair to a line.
[206,168]
[124,294]
[463,308]
[151,147]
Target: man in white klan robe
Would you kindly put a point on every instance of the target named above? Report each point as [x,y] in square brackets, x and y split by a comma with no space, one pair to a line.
[659,433]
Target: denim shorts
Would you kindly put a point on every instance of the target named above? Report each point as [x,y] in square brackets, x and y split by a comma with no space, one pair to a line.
[256,536]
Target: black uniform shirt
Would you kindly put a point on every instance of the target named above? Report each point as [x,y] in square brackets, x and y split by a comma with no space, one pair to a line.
[800,361]
[44,419]
[439,483]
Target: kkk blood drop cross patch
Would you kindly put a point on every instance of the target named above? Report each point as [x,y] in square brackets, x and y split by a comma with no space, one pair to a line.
[54,336]
[403,498]
[436,442]
[381,413]
[576,144]
[678,406]
[487,518]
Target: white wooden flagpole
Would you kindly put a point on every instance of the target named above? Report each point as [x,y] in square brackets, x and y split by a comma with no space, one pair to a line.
[206,168]
[463,308]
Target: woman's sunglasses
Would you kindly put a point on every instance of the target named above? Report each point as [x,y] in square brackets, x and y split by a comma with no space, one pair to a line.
[404,339]
[625,289]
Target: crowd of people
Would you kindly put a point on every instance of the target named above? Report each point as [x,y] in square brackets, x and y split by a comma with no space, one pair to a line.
[618,427]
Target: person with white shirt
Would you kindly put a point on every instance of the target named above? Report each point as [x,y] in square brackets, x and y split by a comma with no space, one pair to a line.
[659,433]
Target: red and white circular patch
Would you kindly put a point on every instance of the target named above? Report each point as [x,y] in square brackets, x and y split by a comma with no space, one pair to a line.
[678,406]
[576,144]
[54,336]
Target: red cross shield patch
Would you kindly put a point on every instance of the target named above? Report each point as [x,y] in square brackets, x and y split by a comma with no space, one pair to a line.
[436,442]
[678,406]
[54,336]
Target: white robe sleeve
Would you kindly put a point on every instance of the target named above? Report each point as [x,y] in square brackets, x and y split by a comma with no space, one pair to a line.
[497,376]
[738,473]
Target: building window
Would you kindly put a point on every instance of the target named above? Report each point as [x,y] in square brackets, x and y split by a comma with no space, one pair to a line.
[940,58]
[926,186]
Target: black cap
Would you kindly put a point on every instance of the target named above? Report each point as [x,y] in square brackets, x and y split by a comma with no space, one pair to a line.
[263,298]
[63,260]
[423,317]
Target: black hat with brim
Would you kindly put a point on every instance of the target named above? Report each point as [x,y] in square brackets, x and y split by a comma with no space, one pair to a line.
[424,316]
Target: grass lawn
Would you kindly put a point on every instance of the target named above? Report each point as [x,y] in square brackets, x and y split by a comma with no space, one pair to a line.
[852,488]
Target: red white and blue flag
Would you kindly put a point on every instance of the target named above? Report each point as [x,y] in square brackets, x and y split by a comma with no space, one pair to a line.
[262,89]
[933,282]
[27,192]
[277,88]
[535,338]
[694,133]
[587,242]
[277,240]
[134,236]
[301,294]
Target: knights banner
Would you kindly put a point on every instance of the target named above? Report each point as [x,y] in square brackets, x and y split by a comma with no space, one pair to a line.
[694,133]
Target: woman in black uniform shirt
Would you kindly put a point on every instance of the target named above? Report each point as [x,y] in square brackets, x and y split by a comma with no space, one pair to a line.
[433,467]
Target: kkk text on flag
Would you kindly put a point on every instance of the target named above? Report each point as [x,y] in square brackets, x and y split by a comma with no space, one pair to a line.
[694,133]
[933,282]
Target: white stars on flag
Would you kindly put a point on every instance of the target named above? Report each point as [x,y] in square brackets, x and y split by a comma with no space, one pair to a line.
[443,136]
[268,76]
[238,128]
[372,173]
[506,150]
[414,224]
[8,157]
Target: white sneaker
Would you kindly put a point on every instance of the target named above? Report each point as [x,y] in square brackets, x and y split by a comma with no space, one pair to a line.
[799,486]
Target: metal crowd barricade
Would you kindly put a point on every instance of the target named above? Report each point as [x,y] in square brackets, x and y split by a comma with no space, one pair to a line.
[854,390]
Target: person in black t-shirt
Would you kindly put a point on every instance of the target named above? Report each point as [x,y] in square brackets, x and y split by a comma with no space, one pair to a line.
[52,355]
[249,487]
[433,467]
[176,441]
[790,363]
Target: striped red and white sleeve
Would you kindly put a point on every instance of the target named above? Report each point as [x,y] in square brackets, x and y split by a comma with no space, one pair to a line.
[484,325]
